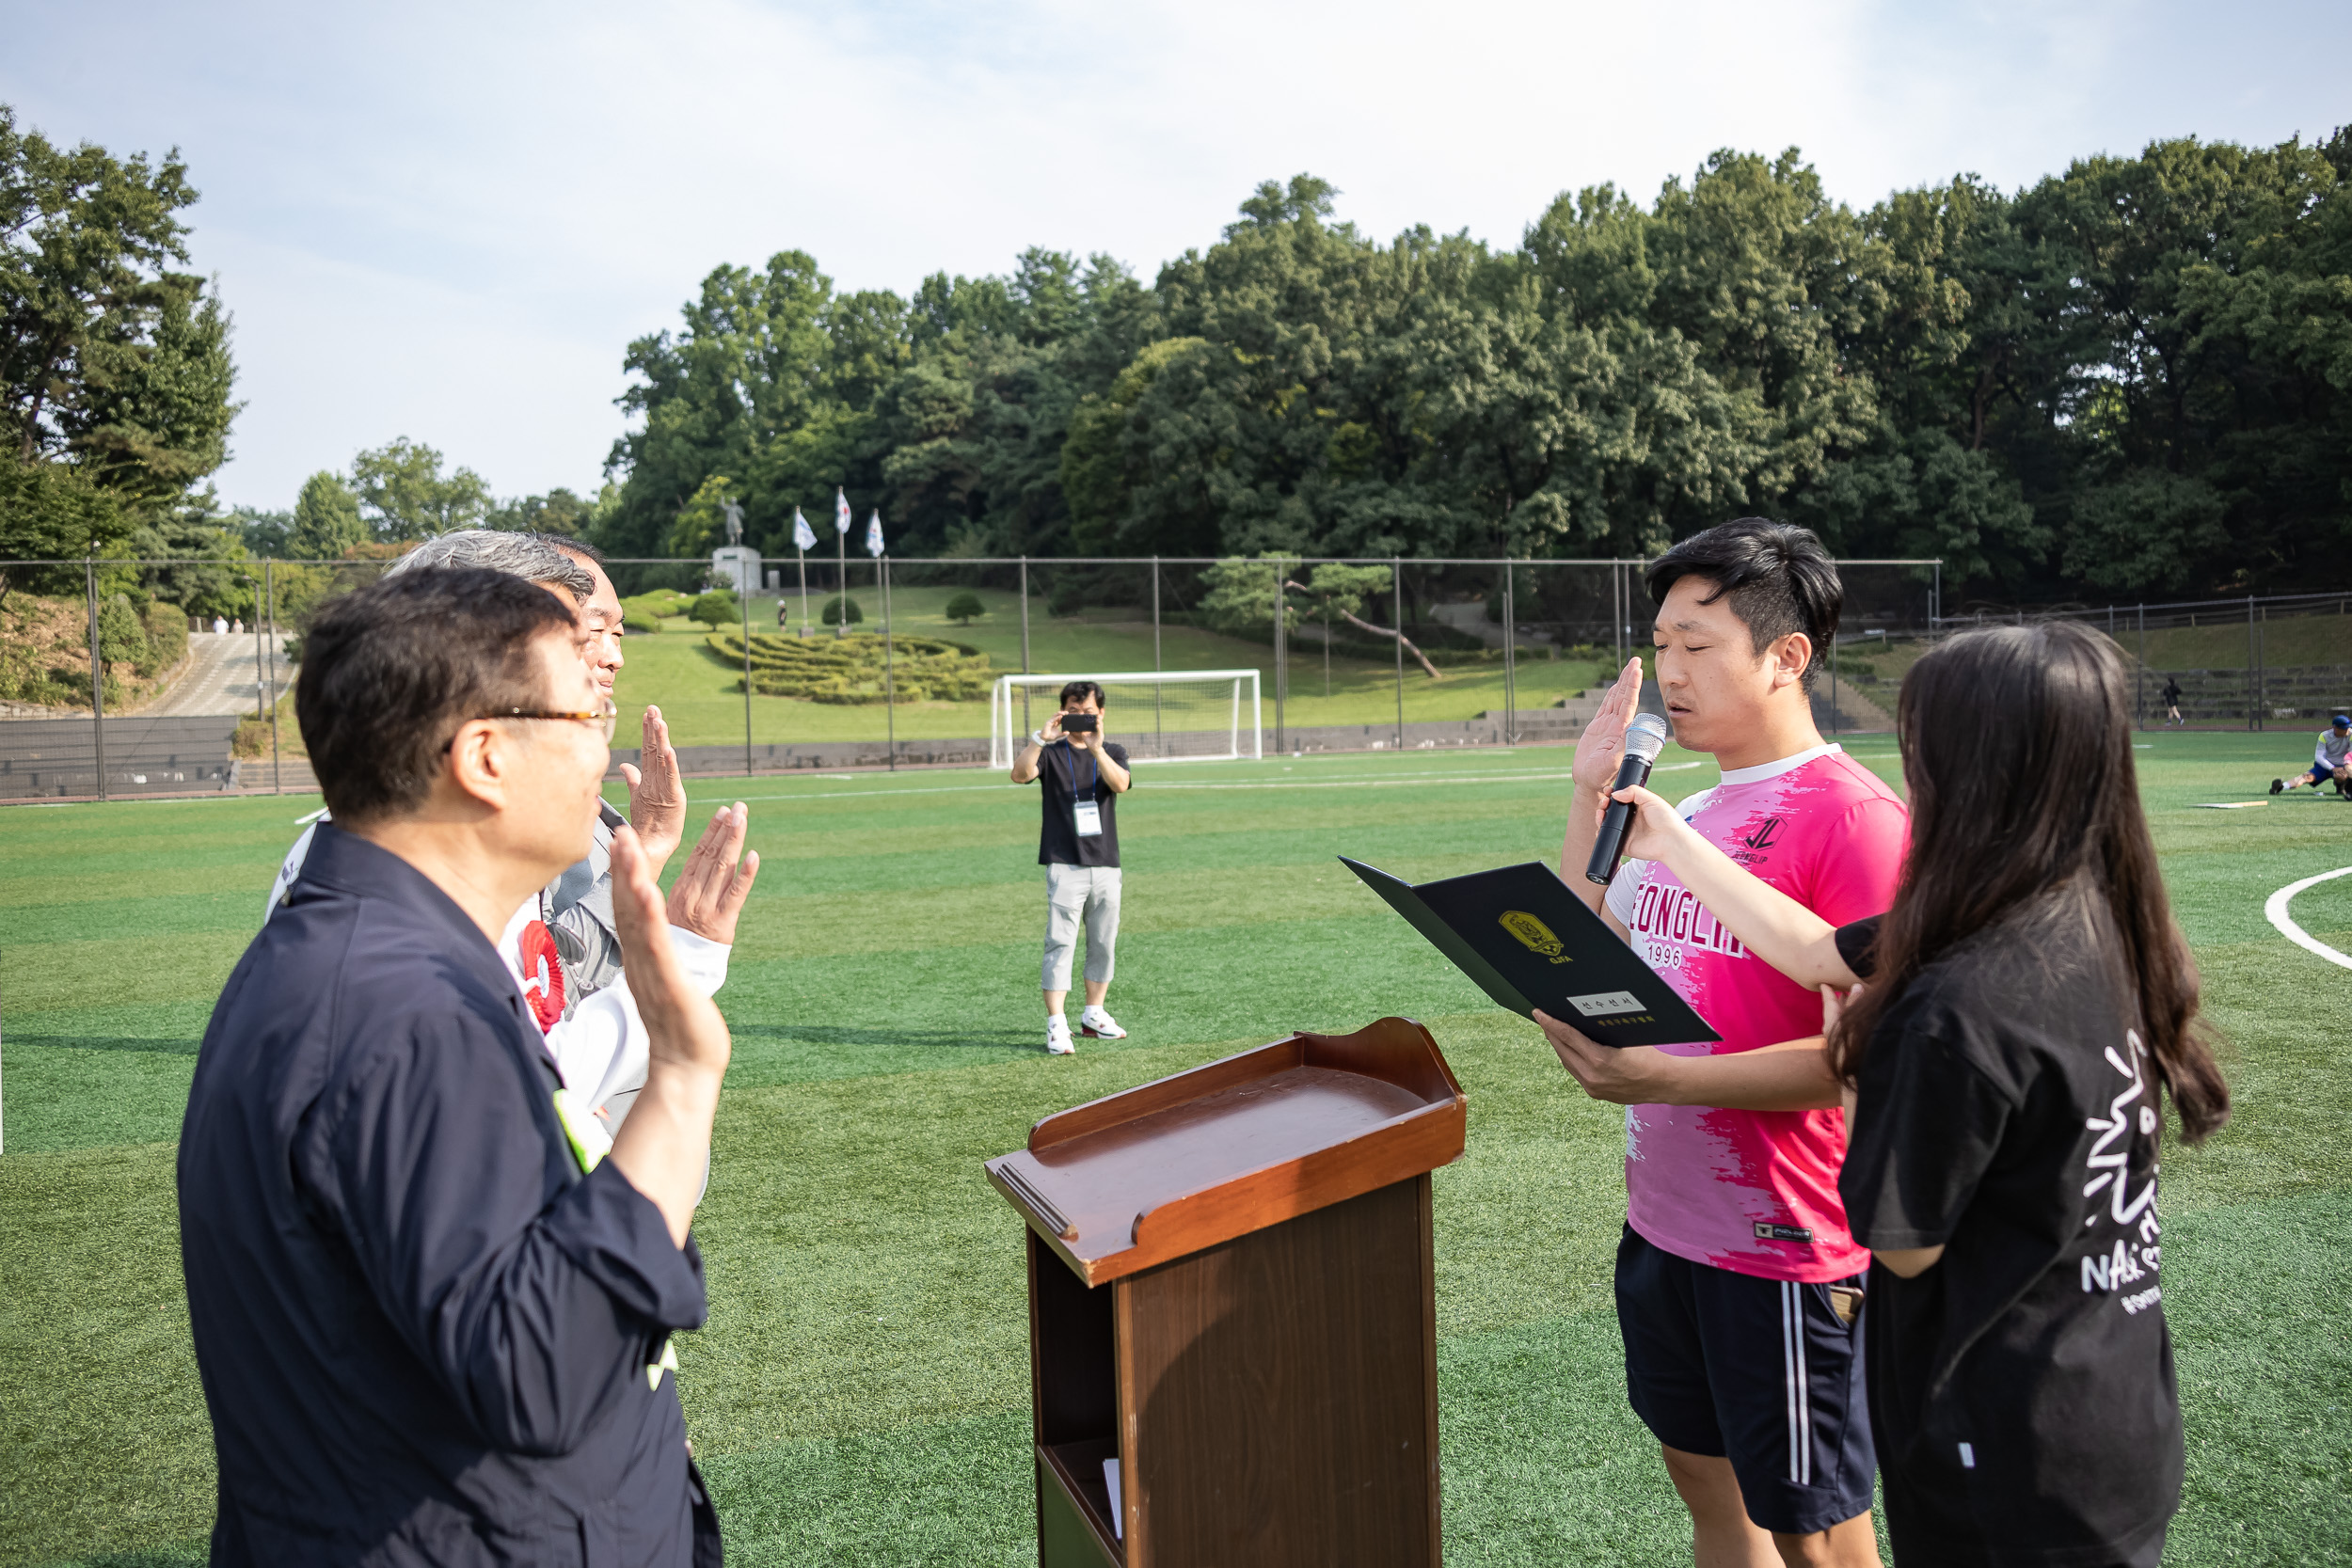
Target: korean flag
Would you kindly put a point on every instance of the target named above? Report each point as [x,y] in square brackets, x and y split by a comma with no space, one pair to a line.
[873,534]
[804,536]
[840,512]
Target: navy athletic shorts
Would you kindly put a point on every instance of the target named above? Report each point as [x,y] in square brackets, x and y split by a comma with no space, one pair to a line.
[2321,775]
[1760,1371]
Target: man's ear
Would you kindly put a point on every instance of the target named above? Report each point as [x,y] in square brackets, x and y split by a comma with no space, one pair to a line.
[1792,657]
[480,764]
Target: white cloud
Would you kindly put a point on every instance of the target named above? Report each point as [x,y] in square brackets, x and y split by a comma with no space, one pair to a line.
[448,221]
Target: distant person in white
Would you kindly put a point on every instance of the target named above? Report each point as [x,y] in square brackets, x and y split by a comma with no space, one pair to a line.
[561,946]
[220,626]
[2332,761]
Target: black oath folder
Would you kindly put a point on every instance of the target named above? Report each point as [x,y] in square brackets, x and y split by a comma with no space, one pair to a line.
[1530,942]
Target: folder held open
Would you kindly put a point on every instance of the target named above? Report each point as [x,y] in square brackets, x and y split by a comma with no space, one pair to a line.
[1531,942]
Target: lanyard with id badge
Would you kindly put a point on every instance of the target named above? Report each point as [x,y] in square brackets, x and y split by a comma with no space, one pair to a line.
[1089,814]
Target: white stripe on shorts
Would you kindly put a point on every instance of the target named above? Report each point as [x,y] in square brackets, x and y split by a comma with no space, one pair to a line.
[1799,1388]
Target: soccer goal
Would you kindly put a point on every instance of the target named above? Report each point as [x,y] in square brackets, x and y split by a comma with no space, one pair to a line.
[1188,715]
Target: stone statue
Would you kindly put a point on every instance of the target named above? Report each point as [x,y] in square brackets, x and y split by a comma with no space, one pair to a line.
[734,509]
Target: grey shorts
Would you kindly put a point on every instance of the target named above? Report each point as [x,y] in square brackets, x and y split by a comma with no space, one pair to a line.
[1076,894]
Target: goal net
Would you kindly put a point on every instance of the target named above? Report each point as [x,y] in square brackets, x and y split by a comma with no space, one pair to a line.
[1198,714]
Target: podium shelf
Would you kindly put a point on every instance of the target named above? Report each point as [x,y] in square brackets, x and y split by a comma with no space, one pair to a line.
[1135,1180]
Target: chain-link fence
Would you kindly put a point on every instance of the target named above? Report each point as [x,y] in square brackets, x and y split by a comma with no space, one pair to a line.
[2248,663]
[838,661]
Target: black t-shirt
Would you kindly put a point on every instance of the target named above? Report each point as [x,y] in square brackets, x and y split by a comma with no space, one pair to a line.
[1067,775]
[2022,1391]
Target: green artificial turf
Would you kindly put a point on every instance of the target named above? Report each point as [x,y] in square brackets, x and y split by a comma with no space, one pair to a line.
[859,1394]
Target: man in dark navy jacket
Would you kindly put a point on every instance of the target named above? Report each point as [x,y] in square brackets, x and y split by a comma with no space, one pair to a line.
[431,1303]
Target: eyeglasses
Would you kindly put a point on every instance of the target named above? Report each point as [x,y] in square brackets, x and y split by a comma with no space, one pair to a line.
[609,716]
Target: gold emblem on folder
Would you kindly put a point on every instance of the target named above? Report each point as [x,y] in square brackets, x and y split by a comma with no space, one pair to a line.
[1534,934]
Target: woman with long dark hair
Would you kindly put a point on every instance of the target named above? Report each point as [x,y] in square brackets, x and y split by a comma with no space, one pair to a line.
[2029,1002]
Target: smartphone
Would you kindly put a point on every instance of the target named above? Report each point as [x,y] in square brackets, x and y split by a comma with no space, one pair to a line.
[1080,723]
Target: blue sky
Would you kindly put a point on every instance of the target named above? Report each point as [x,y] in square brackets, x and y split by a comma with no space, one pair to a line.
[448,221]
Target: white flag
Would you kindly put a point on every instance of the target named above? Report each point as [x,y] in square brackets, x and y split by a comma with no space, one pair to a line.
[873,534]
[804,536]
[840,512]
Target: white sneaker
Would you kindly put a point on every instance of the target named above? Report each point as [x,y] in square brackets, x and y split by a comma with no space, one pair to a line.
[1057,1040]
[1096,1025]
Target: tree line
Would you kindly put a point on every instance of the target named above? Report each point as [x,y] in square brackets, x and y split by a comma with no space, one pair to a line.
[2133,377]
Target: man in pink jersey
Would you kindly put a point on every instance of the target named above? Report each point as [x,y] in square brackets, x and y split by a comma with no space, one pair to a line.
[1737,1282]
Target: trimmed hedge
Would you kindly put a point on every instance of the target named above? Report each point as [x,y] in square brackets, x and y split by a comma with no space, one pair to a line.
[849,669]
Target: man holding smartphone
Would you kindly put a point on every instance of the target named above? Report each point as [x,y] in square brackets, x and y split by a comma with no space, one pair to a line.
[1083,774]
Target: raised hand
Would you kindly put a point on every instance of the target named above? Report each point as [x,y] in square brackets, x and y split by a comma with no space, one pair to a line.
[1603,744]
[657,796]
[710,893]
[664,1146]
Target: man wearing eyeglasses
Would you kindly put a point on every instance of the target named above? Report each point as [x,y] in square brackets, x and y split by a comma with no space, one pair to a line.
[563,946]
[431,1300]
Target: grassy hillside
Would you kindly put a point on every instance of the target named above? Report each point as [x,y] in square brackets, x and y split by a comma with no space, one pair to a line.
[702,697]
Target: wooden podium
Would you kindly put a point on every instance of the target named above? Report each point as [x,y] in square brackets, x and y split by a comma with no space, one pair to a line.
[1232,1299]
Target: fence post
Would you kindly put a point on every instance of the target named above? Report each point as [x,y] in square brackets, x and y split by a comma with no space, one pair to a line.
[1617,612]
[1025,642]
[890,688]
[97,680]
[2253,672]
[1510,659]
[1835,720]
[2140,695]
[1396,588]
[744,603]
[269,590]
[1155,615]
[2259,616]
[1282,659]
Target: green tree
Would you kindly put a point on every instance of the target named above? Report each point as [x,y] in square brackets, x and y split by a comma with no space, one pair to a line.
[327,520]
[840,610]
[403,495]
[109,358]
[206,551]
[51,510]
[558,511]
[122,635]
[965,608]
[701,525]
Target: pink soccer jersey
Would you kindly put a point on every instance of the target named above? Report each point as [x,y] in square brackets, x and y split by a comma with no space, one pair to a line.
[1755,1191]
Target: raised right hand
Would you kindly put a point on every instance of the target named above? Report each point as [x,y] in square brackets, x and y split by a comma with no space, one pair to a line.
[1601,746]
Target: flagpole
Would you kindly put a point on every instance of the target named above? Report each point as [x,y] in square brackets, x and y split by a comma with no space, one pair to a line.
[803,555]
[841,576]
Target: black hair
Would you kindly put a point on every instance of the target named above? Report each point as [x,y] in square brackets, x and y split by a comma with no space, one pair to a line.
[1780,578]
[2025,808]
[1076,690]
[389,671]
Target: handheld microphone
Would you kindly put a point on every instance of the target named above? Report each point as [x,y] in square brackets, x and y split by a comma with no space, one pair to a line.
[1643,740]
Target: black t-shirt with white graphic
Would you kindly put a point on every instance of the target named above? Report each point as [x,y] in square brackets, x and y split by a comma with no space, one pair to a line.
[1068,776]
[2022,1389]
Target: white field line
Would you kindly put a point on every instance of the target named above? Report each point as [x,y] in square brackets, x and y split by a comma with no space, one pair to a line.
[2275,910]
